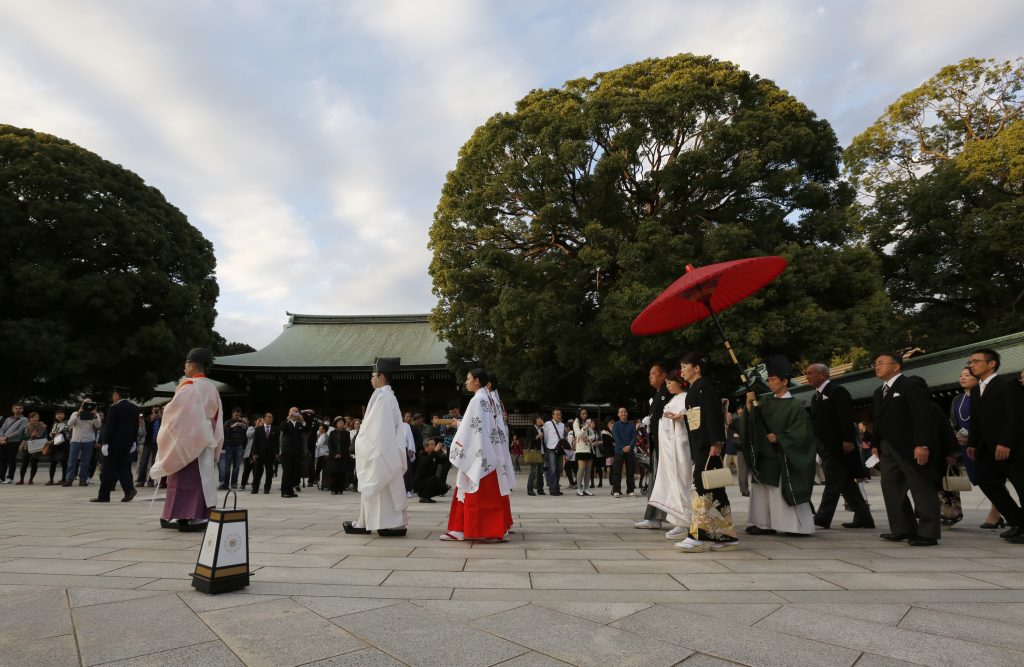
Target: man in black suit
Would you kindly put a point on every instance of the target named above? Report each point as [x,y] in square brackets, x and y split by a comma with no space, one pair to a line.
[903,430]
[266,440]
[995,439]
[120,436]
[832,419]
[294,434]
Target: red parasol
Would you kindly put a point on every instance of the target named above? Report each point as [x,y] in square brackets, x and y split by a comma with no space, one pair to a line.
[704,292]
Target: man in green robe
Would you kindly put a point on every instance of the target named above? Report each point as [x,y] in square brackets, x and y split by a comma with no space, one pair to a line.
[779,448]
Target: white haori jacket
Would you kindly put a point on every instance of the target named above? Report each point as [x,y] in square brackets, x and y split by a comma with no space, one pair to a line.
[480,446]
[191,430]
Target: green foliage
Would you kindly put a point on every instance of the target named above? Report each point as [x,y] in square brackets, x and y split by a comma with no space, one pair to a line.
[943,175]
[102,282]
[221,347]
[562,220]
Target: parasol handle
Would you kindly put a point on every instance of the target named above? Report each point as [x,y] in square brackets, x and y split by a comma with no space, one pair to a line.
[736,362]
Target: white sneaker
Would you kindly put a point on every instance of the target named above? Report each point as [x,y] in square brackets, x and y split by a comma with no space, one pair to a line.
[636,494]
[579,492]
[587,493]
[408,494]
[653,524]
[616,495]
[691,546]
[676,533]
[725,546]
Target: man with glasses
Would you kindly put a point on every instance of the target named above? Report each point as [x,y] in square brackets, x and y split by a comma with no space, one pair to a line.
[902,430]
[996,438]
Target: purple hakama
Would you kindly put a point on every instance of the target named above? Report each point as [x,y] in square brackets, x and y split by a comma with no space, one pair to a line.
[185,499]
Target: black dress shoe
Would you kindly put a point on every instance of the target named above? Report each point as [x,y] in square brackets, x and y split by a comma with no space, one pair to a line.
[255,492]
[859,524]
[392,532]
[1016,539]
[822,524]
[531,493]
[353,530]
[1012,531]
[289,495]
[97,500]
[757,530]
[895,537]
[922,542]
[427,500]
[993,526]
[555,493]
[189,527]
[128,496]
[164,523]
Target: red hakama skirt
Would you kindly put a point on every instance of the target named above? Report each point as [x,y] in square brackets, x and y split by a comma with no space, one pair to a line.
[185,499]
[485,514]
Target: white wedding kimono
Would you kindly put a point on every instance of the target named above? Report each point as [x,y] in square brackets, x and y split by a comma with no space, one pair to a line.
[671,492]
[381,463]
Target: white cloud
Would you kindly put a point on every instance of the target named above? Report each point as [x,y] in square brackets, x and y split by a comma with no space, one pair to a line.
[309,141]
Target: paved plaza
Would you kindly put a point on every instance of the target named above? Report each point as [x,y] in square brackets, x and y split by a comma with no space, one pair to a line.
[104,585]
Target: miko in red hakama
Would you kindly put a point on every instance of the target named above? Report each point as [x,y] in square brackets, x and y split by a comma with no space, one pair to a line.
[485,514]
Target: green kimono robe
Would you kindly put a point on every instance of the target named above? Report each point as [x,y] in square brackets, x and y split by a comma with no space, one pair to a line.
[788,463]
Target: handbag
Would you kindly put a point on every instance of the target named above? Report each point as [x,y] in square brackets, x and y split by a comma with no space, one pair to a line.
[955,481]
[717,478]
[35,445]
[533,457]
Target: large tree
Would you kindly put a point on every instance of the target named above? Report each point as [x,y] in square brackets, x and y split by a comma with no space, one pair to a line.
[102,281]
[942,173]
[564,218]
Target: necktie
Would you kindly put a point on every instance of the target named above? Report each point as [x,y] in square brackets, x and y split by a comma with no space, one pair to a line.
[885,391]
[268,431]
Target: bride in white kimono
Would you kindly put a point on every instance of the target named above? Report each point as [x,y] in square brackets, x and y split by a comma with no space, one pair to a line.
[671,492]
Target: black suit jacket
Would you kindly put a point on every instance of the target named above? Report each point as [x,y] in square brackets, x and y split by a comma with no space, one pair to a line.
[294,438]
[903,420]
[121,428]
[832,418]
[704,394]
[997,417]
[263,446]
[658,401]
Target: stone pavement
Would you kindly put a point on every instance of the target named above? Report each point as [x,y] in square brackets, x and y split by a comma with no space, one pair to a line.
[82,584]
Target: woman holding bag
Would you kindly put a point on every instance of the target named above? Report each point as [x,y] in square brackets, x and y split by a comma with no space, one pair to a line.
[712,525]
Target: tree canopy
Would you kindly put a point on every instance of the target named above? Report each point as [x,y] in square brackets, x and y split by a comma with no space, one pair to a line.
[102,280]
[942,173]
[564,218]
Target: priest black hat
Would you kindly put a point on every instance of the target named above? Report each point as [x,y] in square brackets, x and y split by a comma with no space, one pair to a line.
[387,365]
[201,356]
[778,365]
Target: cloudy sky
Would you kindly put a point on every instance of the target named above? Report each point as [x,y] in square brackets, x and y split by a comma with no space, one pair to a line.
[309,140]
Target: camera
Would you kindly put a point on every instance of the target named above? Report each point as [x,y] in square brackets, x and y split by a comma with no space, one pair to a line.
[312,418]
[88,406]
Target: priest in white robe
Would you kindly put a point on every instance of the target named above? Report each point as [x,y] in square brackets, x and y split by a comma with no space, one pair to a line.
[672,485]
[189,443]
[381,460]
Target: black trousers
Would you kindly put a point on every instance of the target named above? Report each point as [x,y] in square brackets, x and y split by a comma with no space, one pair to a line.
[59,454]
[246,470]
[8,459]
[260,468]
[117,467]
[629,460]
[901,476]
[992,478]
[291,471]
[29,459]
[840,481]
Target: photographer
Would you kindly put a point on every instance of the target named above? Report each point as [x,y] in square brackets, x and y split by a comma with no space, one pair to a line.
[294,434]
[235,440]
[85,426]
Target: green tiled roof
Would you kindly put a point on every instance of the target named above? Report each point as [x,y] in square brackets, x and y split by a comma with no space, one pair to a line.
[344,342]
[941,370]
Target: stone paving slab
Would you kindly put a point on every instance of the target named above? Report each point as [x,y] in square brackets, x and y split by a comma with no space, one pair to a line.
[575,584]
